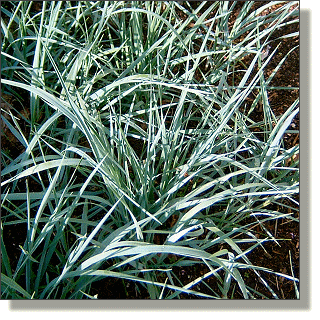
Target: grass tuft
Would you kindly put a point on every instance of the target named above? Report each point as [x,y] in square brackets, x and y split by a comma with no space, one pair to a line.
[140,156]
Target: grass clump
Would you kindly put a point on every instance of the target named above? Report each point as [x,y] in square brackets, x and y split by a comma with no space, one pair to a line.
[139,151]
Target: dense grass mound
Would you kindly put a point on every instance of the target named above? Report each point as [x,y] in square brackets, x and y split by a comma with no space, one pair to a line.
[135,150]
